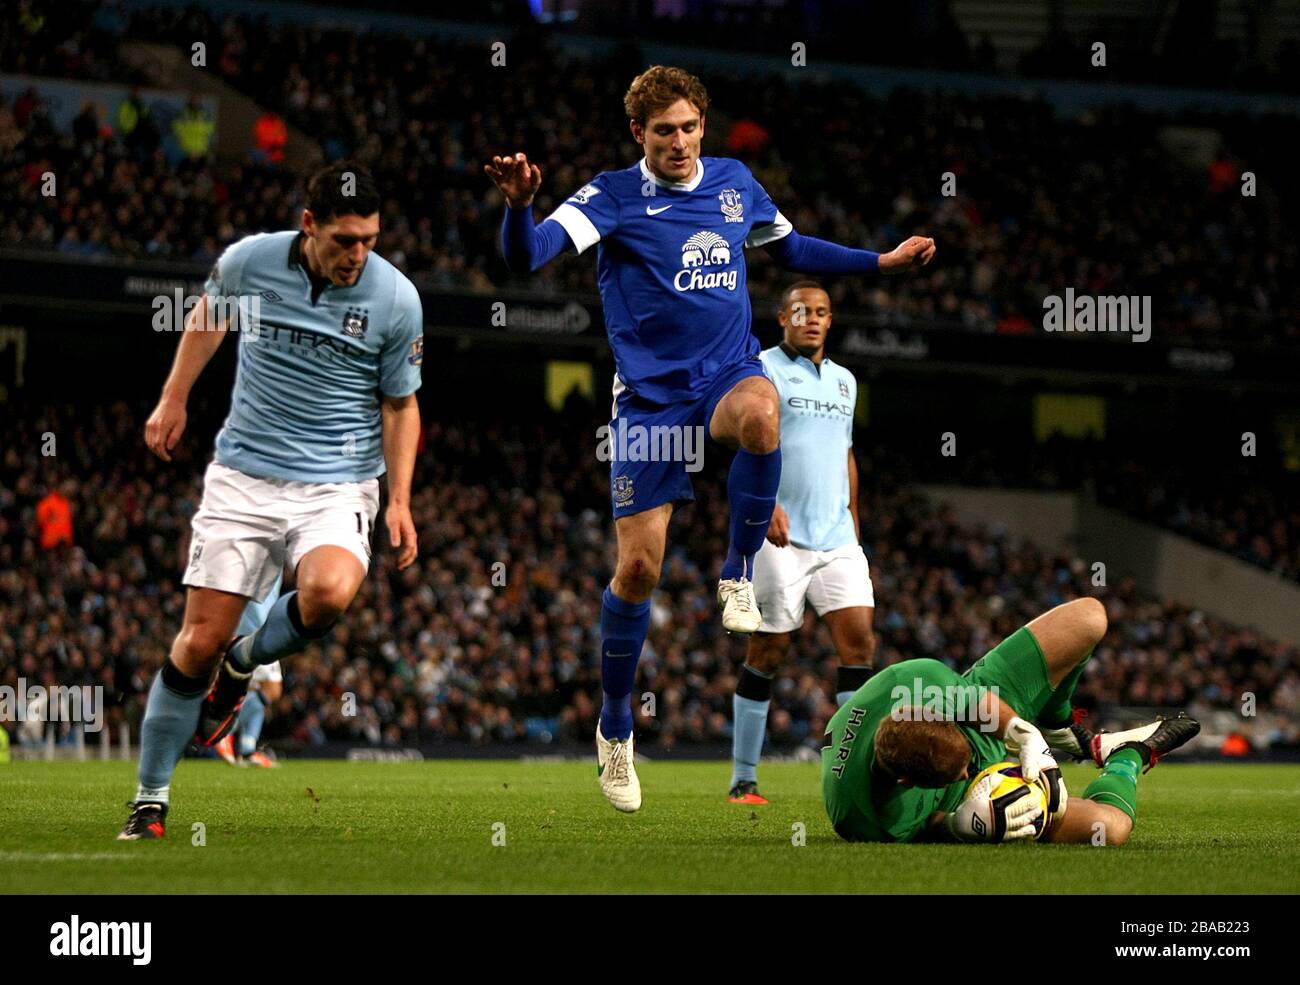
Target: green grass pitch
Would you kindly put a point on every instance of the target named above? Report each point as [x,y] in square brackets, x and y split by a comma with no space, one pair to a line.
[429,827]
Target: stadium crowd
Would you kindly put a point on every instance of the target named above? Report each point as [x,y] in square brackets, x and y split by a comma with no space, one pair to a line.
[491,637]
[1042,203]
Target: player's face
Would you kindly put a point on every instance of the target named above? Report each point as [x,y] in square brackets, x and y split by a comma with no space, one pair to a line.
[341,245]
[671,139]
[806,320]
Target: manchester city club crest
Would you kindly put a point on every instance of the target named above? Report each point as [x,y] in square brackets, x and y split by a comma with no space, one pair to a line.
[844,389]
[731,205]
[355,323]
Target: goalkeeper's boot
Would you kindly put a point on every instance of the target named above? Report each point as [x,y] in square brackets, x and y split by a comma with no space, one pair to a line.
[746,792]
[617,772]
[1152,741]
[1073,741]
[147,822]
[739,607]
[221,706]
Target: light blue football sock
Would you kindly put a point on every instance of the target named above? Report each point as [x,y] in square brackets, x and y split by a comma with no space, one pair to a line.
[170,717]
[747,740]
[282,635]
[252,713]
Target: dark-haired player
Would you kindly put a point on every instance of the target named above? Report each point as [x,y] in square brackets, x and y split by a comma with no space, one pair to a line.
[899,755]
[812,555]
[330,348]
[671,232]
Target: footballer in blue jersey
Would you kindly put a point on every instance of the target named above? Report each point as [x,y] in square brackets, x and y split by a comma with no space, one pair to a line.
[812,555]
[670,235]
[330,349]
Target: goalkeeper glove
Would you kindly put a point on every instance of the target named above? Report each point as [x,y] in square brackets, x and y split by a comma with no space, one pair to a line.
[976,819]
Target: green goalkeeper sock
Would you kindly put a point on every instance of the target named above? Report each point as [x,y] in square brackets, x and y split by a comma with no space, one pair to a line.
[1058,711]
[1117,784]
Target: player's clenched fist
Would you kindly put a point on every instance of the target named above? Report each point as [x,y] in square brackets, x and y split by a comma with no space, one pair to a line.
[778,531]
[164,428]
[915,251]
[516,178]
[401,534]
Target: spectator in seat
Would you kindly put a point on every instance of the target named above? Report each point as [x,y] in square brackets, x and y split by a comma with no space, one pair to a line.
[54,518]
[270,135]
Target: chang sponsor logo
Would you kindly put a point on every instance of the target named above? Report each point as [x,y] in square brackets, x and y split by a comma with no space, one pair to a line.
[704,250]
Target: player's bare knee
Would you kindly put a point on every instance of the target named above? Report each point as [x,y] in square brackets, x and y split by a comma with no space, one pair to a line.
[760,428]
[637,576]
[861,652]
[1093,618]
[765,650]
[322,600]
[197,649]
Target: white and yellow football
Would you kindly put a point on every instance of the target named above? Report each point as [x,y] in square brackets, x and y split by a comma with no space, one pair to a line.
[1011,787]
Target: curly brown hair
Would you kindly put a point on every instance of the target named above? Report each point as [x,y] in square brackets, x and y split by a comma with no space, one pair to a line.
[658,87]
[925,753]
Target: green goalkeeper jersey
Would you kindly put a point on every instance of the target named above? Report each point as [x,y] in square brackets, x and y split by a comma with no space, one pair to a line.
[869,806]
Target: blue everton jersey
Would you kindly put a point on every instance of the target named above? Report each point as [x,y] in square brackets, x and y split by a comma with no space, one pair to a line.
[671,269]
[816,435]
[311,369]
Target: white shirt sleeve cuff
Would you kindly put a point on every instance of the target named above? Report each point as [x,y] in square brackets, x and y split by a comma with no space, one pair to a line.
[778,228]
[580,229]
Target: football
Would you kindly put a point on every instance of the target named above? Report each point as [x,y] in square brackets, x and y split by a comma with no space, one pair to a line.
[1011,787]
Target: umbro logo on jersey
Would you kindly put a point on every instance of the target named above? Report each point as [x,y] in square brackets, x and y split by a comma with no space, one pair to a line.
[271,296]
[796,380]
[662,208]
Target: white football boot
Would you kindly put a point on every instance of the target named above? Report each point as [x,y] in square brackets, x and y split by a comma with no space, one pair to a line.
[739,607]
[1105,743]
[1158,739]
[617,772]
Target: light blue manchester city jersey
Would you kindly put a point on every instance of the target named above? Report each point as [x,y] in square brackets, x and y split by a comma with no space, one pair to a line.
[816,435]
[311,370]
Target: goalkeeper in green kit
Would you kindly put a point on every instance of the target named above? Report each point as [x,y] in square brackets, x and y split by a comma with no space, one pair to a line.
[899,756]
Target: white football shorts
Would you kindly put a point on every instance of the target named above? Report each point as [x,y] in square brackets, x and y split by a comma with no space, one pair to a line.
[266,673]
[787,577]
[246,528]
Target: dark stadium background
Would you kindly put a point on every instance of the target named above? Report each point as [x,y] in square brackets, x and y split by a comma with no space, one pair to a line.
[1070,450]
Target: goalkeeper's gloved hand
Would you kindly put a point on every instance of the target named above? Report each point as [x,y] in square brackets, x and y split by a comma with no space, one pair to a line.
[1025,741]
[975,820]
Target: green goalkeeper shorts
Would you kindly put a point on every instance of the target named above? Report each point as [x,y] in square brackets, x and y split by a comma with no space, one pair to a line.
[1016,669]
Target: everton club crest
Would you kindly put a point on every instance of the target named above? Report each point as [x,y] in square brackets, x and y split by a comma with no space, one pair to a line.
[731,205]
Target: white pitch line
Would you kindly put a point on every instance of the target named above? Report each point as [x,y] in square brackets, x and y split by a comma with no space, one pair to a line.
[61,855]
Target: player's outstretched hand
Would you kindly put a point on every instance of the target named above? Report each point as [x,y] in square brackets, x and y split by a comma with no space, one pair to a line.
[915,251]
[164,428]
[401,534]
[778,531]
[517,179]
[973,820]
